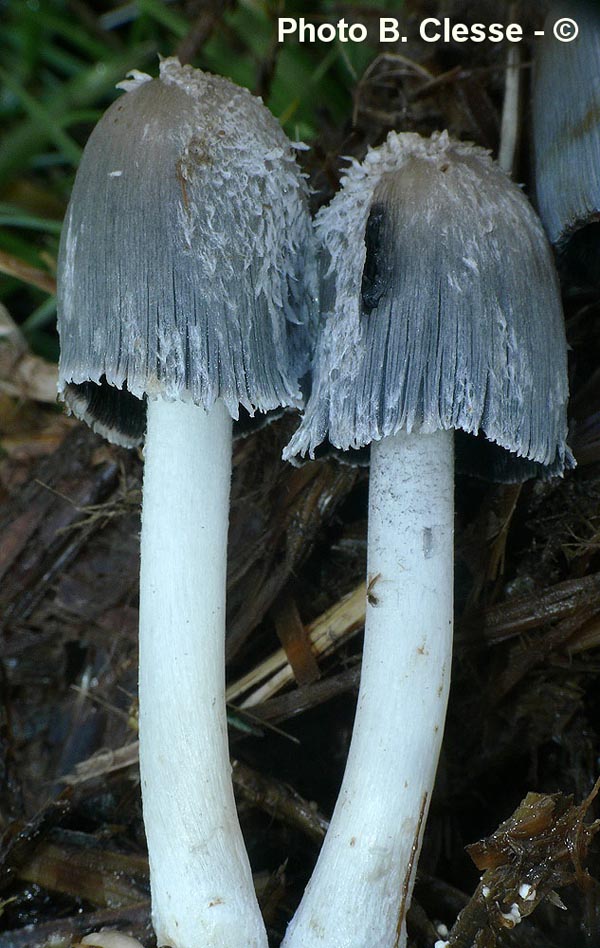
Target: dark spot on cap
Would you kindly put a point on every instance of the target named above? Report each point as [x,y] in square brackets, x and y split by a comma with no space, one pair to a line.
[373,282]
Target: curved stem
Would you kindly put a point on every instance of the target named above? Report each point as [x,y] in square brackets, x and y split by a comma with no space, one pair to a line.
[202,890]
[362,884]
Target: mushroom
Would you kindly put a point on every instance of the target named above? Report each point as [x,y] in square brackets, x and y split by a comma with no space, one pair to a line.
[184,291]
[441,311]
[566,127]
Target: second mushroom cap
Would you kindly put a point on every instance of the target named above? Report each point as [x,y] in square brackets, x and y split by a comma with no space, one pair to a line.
[441,306]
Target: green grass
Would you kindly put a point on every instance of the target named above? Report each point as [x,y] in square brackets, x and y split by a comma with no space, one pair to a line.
[61,61]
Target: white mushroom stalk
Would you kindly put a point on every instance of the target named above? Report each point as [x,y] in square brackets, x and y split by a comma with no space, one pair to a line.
[442,311]
[202,891]
[186,288]
[369,856]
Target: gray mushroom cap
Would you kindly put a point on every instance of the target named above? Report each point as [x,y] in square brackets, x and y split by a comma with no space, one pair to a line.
[566,123]
[441,307]
[186,265]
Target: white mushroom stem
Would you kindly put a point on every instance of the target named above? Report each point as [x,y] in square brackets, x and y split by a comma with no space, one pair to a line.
[201,882]
[361,887]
